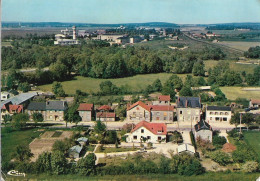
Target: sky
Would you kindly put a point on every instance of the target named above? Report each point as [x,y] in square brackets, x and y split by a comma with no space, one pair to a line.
[132,11]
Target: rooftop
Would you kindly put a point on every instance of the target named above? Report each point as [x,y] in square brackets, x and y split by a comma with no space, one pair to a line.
[188,102]
[105,107]
[219,108]
[56,105]
[106,115]
[155,128]
[161,108]
[139,103]
[19,99]
[255,101]
[85,107]
[76,149]
[41,106]
[202,125]
[164,98]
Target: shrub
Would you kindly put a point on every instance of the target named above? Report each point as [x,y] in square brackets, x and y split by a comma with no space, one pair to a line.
[219,141]
[193,140]
[250,166]
[220,157]
[243,153]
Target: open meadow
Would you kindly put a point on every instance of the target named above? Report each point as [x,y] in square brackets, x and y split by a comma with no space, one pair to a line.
[241,45]
[252,138]
[240,92]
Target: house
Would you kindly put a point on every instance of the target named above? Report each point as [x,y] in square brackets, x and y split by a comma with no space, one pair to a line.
[104,108]
[39,107]
[161,112]
[9,109]
[163,100]
[21,99]
[186,148]
[86,111]
[82,141]
[74,152]
[203,130]
[149,132]
[254,103]
[218,113]
[106,116]
[188,109]
[55,110]
[138,111]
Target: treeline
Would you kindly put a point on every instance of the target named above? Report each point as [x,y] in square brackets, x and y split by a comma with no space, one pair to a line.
[253,52]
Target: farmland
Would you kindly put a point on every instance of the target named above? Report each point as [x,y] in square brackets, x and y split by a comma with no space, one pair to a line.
[237,92]
[241,45]
[252,138]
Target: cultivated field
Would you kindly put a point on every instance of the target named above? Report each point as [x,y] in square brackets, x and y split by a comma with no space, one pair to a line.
[241,45]
[87,84]
[45,142]
[240,92]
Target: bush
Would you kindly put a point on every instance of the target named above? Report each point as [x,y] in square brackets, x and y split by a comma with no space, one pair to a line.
[220,157]
[243,153]
[219,141]
[250,166]
[193,140]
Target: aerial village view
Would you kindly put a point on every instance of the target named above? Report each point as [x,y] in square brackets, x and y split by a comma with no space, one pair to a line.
[130,90]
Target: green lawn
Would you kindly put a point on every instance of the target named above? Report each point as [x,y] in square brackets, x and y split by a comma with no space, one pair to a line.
[252,138]
[156,177]
[110,150]
[12,139]
[248,68]
[87,84]
[236,92]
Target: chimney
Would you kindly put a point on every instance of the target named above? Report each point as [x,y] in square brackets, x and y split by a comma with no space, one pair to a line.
[186,104]
[74,32]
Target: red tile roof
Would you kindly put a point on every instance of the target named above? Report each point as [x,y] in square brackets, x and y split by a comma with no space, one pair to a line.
[255,101]
[104,107]
[161,108]
[155,128]
[16,108]
[106,115]
[140,103]
[85,107]
[4,107]
[164,98]
[228,148]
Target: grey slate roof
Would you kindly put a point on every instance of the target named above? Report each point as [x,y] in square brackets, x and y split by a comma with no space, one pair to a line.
[76,149]
[56,105]
[41,106]
[202,124]
[19,99]
[219,108]
[189,102]
[82,139]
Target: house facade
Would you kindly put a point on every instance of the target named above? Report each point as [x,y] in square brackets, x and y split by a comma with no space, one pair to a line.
[9,109]
[86,111]
[218,113]
[106,116]
[162,112]
[203,130]
[37,107]
[138,111]
[188,109]
[149,132]
[55,110]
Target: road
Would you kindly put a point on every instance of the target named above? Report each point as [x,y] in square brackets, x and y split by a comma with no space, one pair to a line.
[33,69]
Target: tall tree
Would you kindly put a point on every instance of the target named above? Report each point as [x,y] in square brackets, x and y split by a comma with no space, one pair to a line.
[199,68]
[86,166]
[22,153]
[37,117]
[19,120]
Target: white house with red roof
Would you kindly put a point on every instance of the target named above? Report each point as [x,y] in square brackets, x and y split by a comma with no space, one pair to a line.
[150,132]
[9,109]
[254,103]
[138,111]
[85,111]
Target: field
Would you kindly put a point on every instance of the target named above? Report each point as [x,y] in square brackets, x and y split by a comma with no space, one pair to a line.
[253,139]
[155,177]
[248,68]
[241,45]
[87,84]
[237,92]
[45,142]
[12,139]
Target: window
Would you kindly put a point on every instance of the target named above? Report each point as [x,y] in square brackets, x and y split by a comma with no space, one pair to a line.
[50,111]
[211,113]
[221,113]
[159,138]
[224,119]
[164,118]
[180,112]
[158,114]
[142,130]
[216,113]
[217,118]
[135,137]
[226,113]
[137,108]
[148,137]
[210,118]
[165,113]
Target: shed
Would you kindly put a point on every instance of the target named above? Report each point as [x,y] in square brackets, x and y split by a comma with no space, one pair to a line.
[82,140]
[186,148]
[75,151]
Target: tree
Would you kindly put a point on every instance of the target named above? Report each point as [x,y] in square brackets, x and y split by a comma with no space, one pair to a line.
[72,114]
[37,117]
[235,119]
[19,120]
[43,163]
[61,146]
[25,87]
[220,157]
[57,89]
[99,127]
[22,153]
[185,91]
[218,141]
[247,119]
[198,68]
[86,166]
[201,81]
[157,85]
[7,118]
[58,163]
